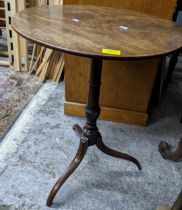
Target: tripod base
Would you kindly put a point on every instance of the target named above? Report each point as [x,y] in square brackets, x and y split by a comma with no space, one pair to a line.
[90,134]
[81,153]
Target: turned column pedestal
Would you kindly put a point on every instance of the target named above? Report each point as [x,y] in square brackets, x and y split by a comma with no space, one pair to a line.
[90,135]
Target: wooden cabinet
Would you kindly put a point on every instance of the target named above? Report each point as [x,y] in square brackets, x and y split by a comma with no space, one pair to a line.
[126,85]
[161,8]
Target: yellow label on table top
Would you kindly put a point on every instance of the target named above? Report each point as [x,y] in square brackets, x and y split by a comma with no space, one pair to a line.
[111,52]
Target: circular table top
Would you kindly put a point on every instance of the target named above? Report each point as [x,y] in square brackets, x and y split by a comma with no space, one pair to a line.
[99,31]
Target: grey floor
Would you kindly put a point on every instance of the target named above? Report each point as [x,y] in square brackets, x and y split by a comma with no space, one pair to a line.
[41,144]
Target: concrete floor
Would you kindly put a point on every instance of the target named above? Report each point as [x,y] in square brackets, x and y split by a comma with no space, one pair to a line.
[41,144]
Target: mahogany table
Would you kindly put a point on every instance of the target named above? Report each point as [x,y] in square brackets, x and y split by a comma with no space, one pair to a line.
[97,33]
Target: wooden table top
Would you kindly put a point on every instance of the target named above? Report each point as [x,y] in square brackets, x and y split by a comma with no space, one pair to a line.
[99,31]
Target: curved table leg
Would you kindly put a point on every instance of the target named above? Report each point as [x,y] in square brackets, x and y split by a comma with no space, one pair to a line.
[78,130]
[101,146]
[165,151]
[74,164]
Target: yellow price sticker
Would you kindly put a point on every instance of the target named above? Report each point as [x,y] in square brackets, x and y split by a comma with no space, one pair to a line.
[111,52]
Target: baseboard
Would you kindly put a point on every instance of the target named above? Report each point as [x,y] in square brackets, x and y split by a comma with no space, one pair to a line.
[110,114]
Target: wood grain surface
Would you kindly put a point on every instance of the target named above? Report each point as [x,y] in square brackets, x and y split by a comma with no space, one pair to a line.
[87,30]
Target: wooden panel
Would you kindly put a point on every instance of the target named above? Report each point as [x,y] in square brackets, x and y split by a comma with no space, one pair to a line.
[111,114]
[161,8]
[126,85]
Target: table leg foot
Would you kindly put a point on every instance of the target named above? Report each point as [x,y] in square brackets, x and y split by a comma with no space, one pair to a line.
[101,146]
[74,164]
[78,130]
[165,151]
